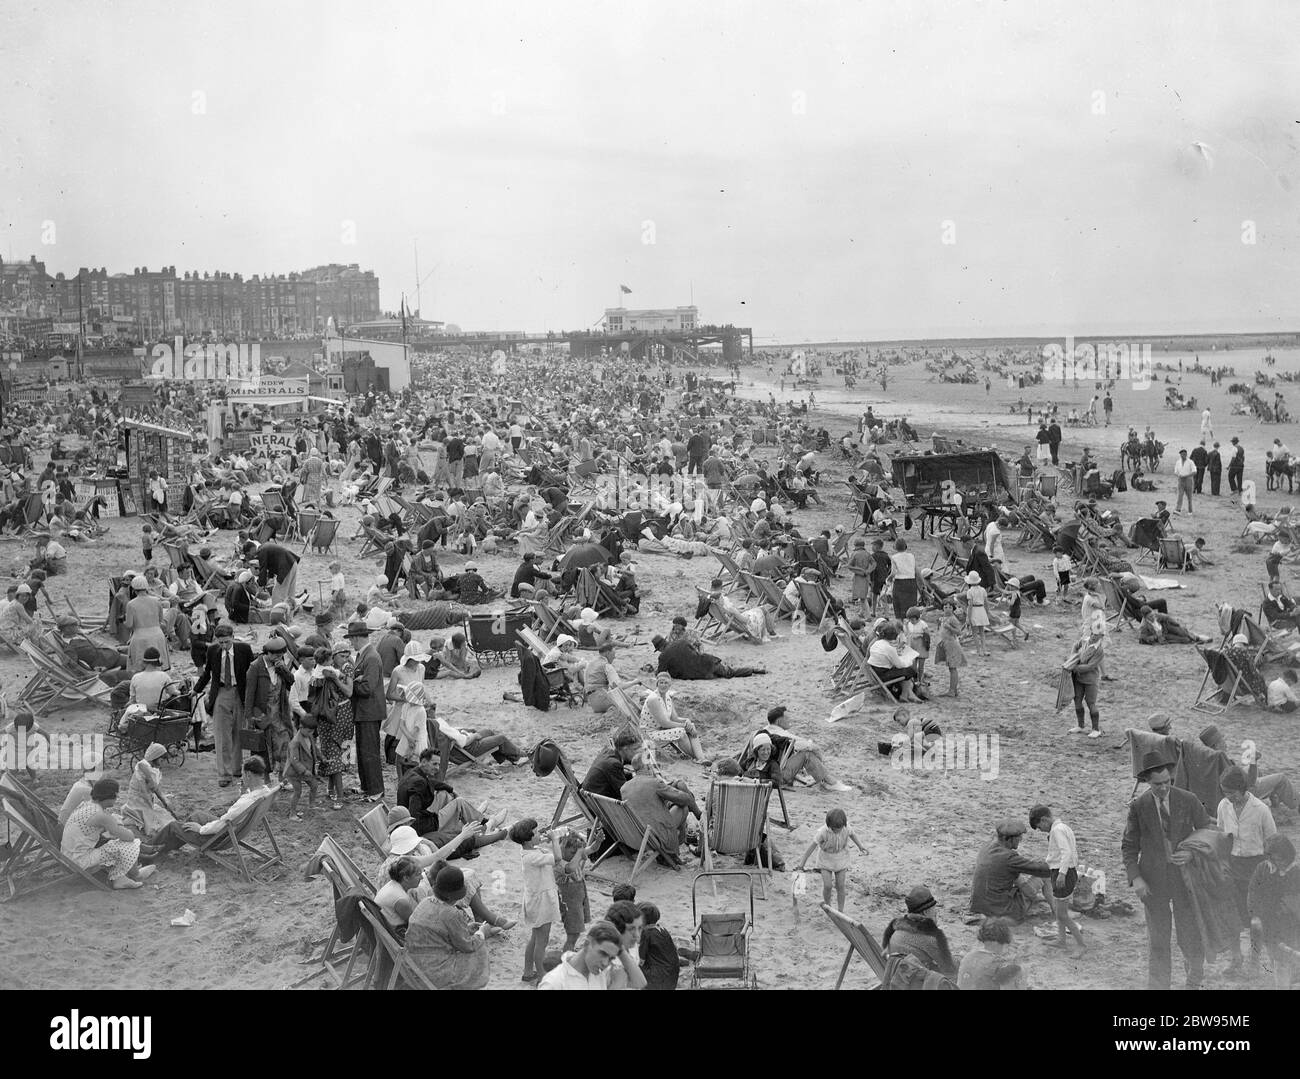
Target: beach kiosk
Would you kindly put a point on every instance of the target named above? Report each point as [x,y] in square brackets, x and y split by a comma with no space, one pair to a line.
[150,447]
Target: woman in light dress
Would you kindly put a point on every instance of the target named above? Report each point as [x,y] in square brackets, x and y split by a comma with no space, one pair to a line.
[93,821]
[143,620]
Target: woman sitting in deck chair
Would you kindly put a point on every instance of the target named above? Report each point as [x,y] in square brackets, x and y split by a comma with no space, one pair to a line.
[660,721]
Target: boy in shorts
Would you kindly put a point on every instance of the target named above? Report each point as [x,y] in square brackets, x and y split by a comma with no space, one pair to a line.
[1063,860]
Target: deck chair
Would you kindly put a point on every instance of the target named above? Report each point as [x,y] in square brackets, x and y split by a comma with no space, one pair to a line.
[227,846]
[572,790]
[815,598]
[35,860]
[1144,534]
[345,877]
[768,592]
[1117,613]
[33,509]
[1173,554]
[621,824]
[593,592]
[861,942]
[550,624]
[736,824]
[272,502]
[403,969]
[730,571]
[321,536]
[722,940]
[374,827]
[859,675]
[58,682]
[719,621]
[1221,677]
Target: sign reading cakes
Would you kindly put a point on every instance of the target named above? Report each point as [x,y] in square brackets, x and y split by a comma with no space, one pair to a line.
[270,443]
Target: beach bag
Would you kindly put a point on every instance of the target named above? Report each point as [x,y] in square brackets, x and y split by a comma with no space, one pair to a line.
[940,653]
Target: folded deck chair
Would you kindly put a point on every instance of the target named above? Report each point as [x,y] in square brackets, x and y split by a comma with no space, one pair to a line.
[624,827]
[35,860]
[861,942]
[228,845]
[735,818]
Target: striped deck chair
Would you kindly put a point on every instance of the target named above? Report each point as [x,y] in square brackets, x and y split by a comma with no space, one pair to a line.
[861,942]
[228,845]
[623,826]
[321,537]
[345,877]
[1173,554]
[735,816]
[35,859]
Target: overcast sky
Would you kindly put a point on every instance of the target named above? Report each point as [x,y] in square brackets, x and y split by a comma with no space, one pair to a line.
[794,163]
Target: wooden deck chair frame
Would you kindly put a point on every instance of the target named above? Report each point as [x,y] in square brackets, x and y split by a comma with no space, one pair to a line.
[861,942]
[1117,613]
[70,685]
[1173,547]
[815,599]
[622,825]
[606,601]
[272,502]
[769,592]
[35,860]
[344,876]
[730,571]
[322,535]
[237,837]
[864,676]
[741,819]
[552,624]
[718,621]
[1205,700]
[401,959]
[572,790]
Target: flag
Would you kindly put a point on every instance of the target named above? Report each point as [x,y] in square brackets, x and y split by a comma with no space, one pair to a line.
[625,289]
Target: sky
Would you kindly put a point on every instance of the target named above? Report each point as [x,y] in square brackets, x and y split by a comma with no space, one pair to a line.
[822,170]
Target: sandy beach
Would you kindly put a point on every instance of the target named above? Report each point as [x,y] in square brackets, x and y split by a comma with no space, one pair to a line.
[920,827]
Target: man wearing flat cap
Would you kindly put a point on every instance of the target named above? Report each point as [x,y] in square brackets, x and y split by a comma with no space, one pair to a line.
[1006,883]
[266,702]
[1158,820]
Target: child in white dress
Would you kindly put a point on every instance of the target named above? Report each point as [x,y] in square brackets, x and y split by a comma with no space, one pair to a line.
[832,845]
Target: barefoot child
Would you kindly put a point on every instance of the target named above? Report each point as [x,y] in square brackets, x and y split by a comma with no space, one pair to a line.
[832,845]
[571,883]
[541,901]
[917,634]
[949,649]
[1061,566]
[1063,860]
[301,768]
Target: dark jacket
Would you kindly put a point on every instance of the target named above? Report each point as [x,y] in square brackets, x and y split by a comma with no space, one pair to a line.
[211,676]
[1144,846]
[264,693]
[239,602]
[1214,462]
[274,560]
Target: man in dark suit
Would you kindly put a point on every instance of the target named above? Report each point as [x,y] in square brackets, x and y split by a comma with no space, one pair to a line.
[225,674]
[1200,458]
[1279,608]
[239,598]
[1158,821]
[368,710]
[1214,465]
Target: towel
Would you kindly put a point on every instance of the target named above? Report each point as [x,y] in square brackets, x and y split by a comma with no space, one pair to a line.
[1199,769]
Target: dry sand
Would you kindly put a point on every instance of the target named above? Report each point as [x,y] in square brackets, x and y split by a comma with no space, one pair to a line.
[919,827]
